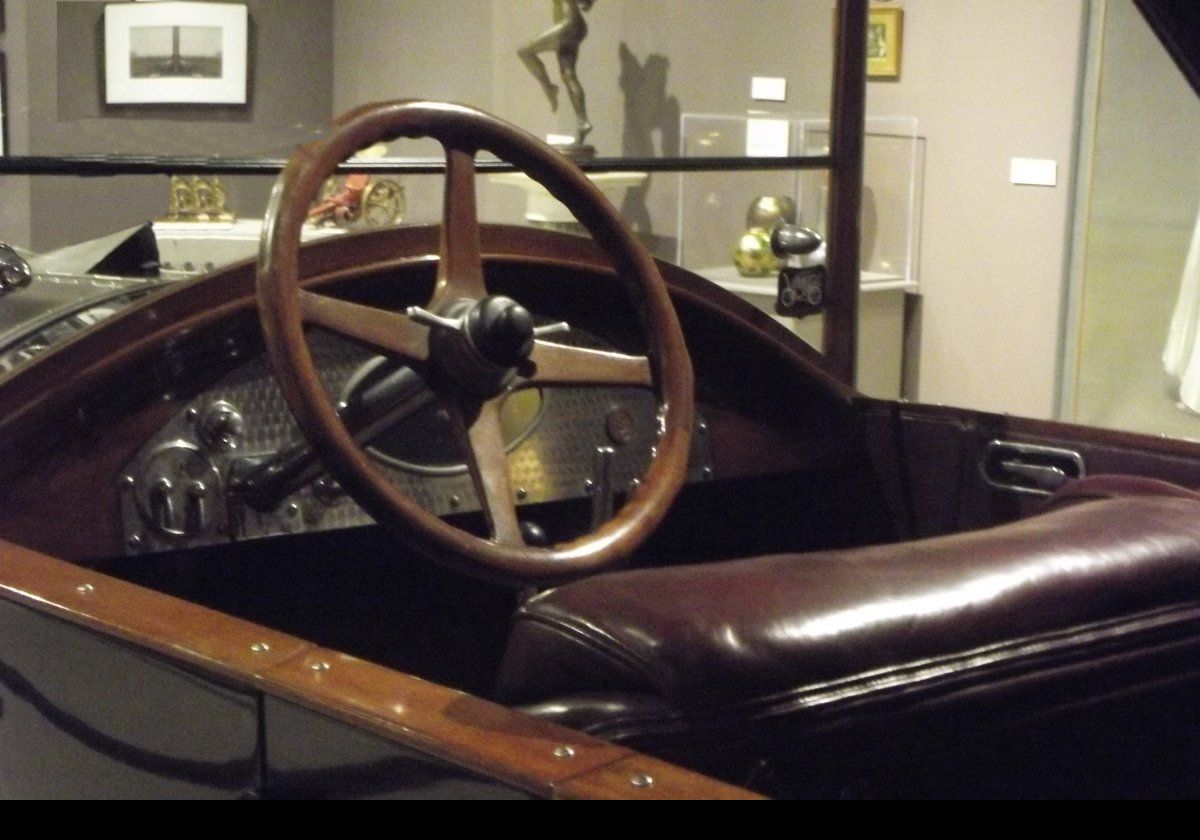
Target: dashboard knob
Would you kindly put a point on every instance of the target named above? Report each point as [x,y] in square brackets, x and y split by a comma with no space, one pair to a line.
[221,427]
[534,534]
[327,490]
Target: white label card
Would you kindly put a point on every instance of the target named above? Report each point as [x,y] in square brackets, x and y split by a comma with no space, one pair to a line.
[767,137]
[768,89]
[1033,171]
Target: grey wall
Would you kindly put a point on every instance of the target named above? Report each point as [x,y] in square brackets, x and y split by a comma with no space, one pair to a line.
[290,94]
[1147,114]
[14,189]
[414,49]
[703,52]
[642,65]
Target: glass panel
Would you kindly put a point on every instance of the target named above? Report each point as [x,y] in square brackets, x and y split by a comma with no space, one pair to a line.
[893,164]
[1138,271]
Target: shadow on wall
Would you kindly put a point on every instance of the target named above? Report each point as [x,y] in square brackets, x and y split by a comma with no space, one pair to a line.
[648,109]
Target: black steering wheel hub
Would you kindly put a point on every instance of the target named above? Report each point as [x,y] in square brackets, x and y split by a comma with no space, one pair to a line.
[477,345]
[500,330]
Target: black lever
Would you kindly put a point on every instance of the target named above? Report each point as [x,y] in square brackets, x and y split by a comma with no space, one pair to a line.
[370,413]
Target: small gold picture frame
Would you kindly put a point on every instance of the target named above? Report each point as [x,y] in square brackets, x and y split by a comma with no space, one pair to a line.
[884,34]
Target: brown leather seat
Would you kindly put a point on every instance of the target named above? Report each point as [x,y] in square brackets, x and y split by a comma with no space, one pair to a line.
[1097,593]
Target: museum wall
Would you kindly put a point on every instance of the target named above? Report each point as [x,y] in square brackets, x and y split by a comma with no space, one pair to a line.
[290,93]
[989,82]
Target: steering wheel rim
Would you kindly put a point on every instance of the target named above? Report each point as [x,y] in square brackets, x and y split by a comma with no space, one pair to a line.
[284,309]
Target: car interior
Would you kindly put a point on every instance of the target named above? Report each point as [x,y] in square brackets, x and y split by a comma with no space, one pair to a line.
[554,472]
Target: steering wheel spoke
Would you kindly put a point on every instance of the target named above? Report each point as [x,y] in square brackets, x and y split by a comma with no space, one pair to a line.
[391,332]
[487,461]
[561,364]
[460,265]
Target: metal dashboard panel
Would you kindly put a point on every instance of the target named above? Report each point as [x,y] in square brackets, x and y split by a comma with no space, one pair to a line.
[557,460]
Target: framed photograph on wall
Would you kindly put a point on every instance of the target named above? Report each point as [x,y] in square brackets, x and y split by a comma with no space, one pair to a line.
[175,52]
[884,42]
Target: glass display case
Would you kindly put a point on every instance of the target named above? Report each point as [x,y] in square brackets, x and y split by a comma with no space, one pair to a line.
[714,209]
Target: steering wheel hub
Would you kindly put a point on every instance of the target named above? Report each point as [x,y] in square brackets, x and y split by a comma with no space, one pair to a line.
[500,330]
[475,346]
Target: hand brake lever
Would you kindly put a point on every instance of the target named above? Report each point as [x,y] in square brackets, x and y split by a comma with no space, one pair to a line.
[396,396]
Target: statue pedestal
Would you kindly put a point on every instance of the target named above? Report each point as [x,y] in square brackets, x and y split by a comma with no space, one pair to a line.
[545,211]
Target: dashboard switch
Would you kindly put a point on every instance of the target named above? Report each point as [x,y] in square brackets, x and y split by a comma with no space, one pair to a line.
[196,513]
[175,490]
[162,506]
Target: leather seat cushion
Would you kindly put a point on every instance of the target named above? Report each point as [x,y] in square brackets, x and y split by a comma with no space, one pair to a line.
[1106,552]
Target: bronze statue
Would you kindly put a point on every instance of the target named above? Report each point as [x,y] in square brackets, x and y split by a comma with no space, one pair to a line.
[564,37]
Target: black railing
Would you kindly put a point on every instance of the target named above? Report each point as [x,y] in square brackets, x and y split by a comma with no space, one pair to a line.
[111,165]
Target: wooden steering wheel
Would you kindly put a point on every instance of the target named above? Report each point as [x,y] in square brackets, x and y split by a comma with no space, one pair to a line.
[472,348]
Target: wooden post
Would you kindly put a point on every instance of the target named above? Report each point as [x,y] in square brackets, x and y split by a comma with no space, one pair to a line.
[845,188]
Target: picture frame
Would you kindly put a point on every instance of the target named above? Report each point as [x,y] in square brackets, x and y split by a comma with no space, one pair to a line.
[175,52]
[884,42]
